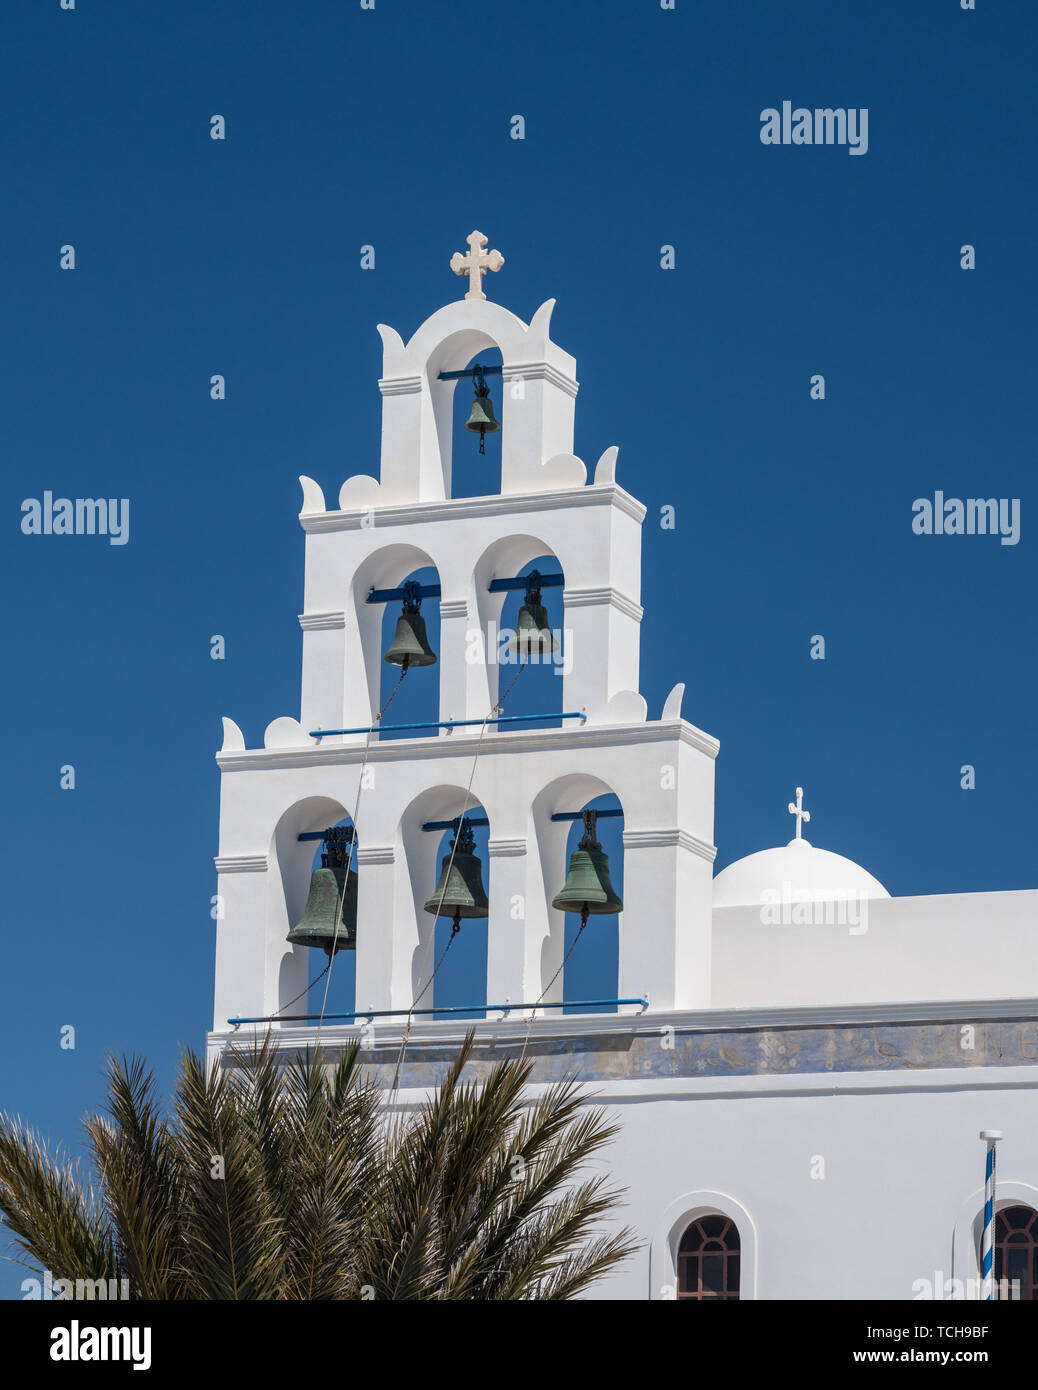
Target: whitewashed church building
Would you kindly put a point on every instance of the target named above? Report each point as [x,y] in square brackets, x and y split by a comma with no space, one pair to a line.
[801,1064]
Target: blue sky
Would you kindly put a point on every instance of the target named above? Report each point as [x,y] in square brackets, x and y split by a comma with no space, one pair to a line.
[347,127]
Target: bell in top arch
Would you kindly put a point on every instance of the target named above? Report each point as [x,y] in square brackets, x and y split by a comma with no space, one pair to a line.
[587,889]
[410,641]
[459,890]
[533,634]
[329,919]
[482,420]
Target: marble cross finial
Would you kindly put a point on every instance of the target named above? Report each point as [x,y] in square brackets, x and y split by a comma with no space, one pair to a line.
[796,808]
[475,263]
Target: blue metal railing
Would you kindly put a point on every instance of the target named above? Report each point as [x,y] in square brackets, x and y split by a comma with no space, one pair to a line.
[445,1009]
[450,723]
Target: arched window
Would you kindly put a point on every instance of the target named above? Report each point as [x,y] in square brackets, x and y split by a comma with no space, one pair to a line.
[1016,1253]
[708,1259]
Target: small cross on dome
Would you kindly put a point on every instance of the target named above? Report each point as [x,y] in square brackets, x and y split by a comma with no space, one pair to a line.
[796,808]
[476,263]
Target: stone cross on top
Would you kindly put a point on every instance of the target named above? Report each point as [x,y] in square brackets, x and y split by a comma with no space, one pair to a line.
[476,263]
[796,808]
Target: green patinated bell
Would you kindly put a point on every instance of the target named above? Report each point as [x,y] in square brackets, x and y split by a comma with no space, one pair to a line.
[588,889]
[410,641]
[533,634]
[317,926]
[481,418]
[459,891]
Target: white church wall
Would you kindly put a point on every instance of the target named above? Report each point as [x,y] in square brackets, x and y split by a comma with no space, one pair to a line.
[940,947]
[852,1187]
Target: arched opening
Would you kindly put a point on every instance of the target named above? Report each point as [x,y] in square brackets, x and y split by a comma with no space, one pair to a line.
[475,474]
[457,898]
[525,662]
[409,624]
[534,641]
[592,969]
[437,975]
[298,844]
[709,1257]
[1016,1254]
[330,915]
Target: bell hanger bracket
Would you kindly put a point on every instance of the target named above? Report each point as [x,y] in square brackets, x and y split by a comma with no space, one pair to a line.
[476,371]
[482,820]
[337,838]
[412,592]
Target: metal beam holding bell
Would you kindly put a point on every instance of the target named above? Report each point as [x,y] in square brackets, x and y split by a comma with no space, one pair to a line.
[410,641]
[588,889]
[533,634]
[481,419]
[329,920]
[459,890]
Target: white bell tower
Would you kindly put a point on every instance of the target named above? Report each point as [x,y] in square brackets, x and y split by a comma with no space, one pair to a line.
[303,779]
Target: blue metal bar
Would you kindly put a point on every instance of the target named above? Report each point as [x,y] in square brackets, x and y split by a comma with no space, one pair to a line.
[482,820]
[526,581]
[392,595]
[453,824]
[496,586]
[451,723]
[470,371]
[446,1009]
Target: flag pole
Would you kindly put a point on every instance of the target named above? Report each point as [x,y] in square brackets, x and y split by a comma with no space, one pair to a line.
[987,1253]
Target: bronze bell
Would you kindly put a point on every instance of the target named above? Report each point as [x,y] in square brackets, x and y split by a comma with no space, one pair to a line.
[587,889]
[410,642]
[459,890]
[482,420]
[329,919]
[533,634]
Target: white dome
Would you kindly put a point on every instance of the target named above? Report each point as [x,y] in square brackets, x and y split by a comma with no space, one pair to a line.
[797,870]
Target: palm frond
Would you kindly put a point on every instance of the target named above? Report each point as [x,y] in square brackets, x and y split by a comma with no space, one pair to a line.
[50,1210]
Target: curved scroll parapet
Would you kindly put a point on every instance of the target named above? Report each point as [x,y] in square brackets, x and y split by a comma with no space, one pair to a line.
[285,732]
[233,738]
[605,468]
[313,496]
[392,347]
[672,704]
[540,324]
[561,472]
[362,490]
[625,707]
